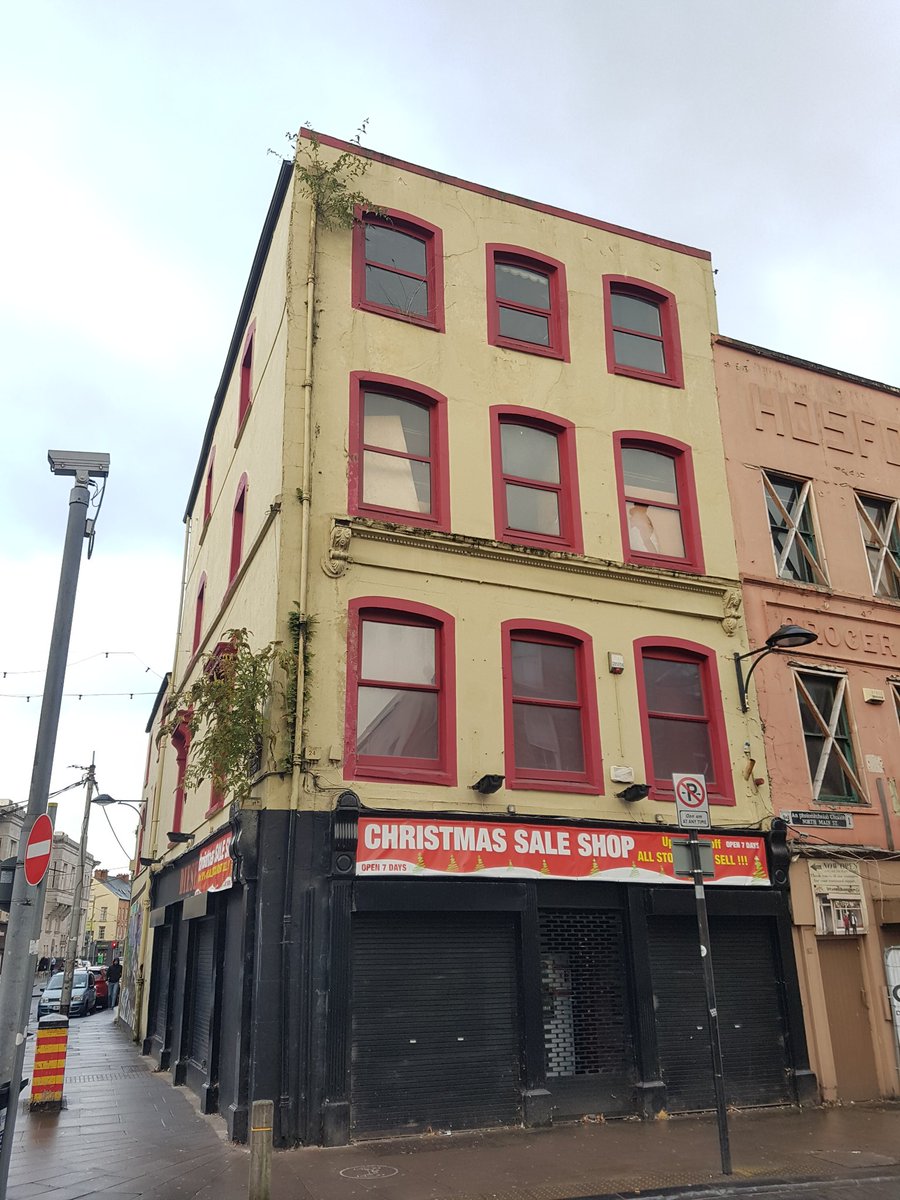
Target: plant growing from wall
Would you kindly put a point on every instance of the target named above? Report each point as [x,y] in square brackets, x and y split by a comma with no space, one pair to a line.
[331,185]
[227,709]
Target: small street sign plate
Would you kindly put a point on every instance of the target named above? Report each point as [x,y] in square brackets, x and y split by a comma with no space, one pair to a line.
[691,801]
[681,858]
[819,820]
[37,850]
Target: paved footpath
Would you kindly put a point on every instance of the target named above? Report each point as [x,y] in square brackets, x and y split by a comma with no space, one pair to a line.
[125,1131]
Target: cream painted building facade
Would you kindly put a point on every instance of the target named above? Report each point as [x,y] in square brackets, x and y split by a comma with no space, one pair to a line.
[473,444]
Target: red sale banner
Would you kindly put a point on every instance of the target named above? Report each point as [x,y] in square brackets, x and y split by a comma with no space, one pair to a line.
[415,846]
[211,871]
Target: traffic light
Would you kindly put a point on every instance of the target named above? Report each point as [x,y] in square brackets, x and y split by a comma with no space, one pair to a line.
[779,852]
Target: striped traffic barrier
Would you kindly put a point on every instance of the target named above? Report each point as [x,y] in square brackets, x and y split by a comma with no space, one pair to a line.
[49,1070]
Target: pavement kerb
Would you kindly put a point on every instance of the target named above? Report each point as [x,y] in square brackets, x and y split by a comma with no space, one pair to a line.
[760,1186]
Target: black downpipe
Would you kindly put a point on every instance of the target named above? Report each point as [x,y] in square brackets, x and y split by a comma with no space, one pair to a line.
[284,1100]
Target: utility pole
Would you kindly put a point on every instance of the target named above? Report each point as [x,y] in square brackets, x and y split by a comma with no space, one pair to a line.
[17,976]
[90,783]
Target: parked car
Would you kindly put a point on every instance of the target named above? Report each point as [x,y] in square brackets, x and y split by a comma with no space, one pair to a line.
[84,995]
[100,986]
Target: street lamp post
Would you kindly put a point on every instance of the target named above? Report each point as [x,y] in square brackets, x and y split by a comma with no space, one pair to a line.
[90,782]
[786,637]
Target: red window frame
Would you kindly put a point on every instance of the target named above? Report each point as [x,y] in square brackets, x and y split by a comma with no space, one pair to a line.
[237,529]
[245,385]
[439,517]
[181,740]
[670,337]
[403,770]
[431,235]
[198,614]
[589,781]
[721,789]
[557,314]
[570,536]
[681,455]
[208,489]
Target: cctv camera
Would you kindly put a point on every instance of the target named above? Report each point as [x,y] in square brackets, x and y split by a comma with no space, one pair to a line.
[80,463]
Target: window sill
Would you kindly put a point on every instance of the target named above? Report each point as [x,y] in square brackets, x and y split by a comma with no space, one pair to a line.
[202,535]
[243,425]
[440,778]
[673,381]
[434,323]
[668,797]
[514,538]
[685,566]
[567,787]
[530,348]
[408,520]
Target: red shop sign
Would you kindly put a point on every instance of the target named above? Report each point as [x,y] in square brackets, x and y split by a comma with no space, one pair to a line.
[414,846]
[211,871]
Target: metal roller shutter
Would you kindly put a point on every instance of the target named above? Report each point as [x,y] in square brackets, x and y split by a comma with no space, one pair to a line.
[202,990]
[162,965]
[751,1022]
[435,1037]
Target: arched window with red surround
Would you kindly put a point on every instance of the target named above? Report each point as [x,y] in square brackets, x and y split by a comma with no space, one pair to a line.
[245,383]
[527,301]
[237,529]
[642,334]
[398,268]
[208,488]
[657,501]
[682,724]
[401,692]
[535,479]
[551,728]
[198,614]
[399,469]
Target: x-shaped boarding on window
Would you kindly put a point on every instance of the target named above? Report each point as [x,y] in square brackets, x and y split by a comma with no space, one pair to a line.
[886,556]
[829,730]
[792,521]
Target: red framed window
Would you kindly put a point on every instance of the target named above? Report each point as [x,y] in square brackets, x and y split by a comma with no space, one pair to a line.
[657,502]
[401,698]
[198,614]
[642,334]
[527,301]
[550,709]
[208,489]
[535,477]
[237,529]
[681,717]
[398,268]
[181,741]
[245,392]
[398,459]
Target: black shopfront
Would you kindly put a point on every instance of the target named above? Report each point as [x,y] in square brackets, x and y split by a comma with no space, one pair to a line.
[412,995]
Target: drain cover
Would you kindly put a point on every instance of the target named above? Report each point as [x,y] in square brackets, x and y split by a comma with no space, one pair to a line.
[371,1172]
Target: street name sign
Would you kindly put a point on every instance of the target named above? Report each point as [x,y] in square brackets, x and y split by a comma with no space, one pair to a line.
[38,849]
[691,801]
[819,820]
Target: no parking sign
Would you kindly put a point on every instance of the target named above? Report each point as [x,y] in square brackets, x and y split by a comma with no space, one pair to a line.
[691,801]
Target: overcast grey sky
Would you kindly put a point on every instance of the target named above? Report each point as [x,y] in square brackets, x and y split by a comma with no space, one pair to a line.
[137,178]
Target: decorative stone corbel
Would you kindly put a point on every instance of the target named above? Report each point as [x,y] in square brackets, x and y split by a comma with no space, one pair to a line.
[337,560]
[732,604]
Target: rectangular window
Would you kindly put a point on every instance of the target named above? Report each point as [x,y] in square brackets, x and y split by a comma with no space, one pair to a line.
[104,913]
[527,302]
[400,695]
[681,717]
[826,732]
[398,463]
[398,268]
[551,718]
[535,480]
[792,526]
[881,539]
[657,502]
[101,933]
[642,334]
[208,489]
[198,616]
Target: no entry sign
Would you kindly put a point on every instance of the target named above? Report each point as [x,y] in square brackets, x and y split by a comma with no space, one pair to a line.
[37,850]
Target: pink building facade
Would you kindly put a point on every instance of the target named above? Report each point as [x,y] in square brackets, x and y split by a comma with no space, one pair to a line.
[813,463]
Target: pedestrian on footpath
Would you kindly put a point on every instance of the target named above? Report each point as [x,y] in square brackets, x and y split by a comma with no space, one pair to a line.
[113,976]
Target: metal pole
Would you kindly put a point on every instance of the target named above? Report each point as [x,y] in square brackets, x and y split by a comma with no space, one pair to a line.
[15,977]
[16,1074]
[712,1012]
[75,917]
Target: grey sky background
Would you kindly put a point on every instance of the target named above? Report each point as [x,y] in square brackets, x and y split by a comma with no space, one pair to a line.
[137,178]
